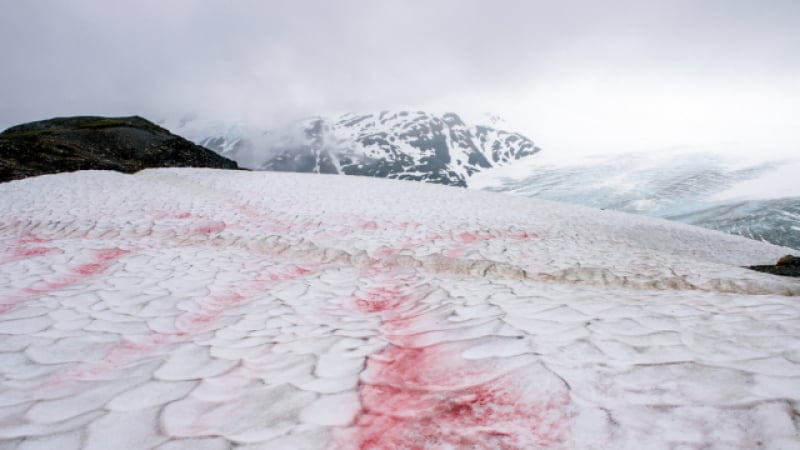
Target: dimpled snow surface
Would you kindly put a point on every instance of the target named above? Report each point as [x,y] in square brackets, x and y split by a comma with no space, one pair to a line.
[204,309]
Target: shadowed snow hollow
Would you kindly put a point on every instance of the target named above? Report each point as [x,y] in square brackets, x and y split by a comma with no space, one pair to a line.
[190,308]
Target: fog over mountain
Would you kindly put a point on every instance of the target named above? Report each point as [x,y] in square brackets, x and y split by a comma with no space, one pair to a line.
[580,76]
[405,145]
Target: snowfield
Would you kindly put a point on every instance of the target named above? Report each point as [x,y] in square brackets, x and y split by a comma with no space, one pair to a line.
[205,309]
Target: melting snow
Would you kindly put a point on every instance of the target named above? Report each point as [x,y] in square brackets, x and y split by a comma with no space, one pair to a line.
[185,309]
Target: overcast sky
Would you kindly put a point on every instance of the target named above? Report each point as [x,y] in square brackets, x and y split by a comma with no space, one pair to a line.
[578,76]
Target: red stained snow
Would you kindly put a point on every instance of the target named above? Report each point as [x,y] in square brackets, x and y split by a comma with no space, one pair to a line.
[212,309]
[477,236]
[409,225]
[99,262]
[161,214]
[33,251]
[468,237]
[29,239]
[430,397]
[523,235]
[369,226]
[288,273]
[416,396]
[209,227]
[214,306]
[379,299]
[109,254]
[19,249]
[118,356]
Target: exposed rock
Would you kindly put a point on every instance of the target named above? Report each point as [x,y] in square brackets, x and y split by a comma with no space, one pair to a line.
[788,265]
[788,260]
[124,144]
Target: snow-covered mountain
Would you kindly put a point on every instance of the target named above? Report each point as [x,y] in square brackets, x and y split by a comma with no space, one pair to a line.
[403,145]
[185,309]
[750,197]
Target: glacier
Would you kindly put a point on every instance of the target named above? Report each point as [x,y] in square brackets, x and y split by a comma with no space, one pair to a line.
[210,309]
[749,195]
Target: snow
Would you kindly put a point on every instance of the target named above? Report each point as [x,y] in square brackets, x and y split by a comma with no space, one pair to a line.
[192,308]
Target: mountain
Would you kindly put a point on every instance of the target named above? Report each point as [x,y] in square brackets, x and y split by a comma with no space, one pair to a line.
[402,145]
[748,197]
[221,309]
[124,144]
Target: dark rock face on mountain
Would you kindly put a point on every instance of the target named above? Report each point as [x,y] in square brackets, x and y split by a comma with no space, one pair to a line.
[403,145]
[124,144]
[788,266]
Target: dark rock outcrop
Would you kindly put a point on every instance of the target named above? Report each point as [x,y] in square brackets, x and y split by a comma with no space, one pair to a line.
[124,144]
[788,266]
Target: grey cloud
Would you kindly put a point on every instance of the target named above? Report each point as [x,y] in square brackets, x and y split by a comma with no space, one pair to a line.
[264,60]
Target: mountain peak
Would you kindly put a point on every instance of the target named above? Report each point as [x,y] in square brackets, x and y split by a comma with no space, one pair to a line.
[408,145]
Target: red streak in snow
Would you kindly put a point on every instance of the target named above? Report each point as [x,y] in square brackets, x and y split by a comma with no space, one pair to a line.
[368,226]
[477,236]
[523,235]
[127,352]
[287,273]
[17,249]
[20,253]
[101,260]
[468,237]
[209,227]
[409,225]
[379,299]
[160,214]
[110,254]
[214,306]
[416,396]
[422,398]
[33,251]
[89,269]
[28,240]
[117,357]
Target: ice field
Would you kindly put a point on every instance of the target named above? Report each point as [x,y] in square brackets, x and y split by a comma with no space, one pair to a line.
[209,309]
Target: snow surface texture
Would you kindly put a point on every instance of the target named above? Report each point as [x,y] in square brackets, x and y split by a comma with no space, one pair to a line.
[751,197]
[404,145]
[203,309]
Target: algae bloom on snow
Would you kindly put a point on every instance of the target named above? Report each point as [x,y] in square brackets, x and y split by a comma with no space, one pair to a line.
[205,309]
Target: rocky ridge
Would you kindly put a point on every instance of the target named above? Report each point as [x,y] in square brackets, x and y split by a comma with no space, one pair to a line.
[124,144]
